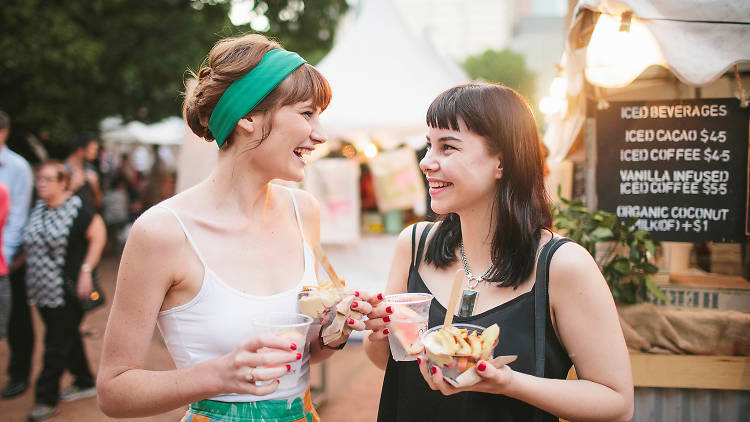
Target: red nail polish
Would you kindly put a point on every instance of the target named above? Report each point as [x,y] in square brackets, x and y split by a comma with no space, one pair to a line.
[433,370]
[482,366]
[288,368]
[356,293]
[351,321]
[387,319]
[419,361]
[299,356]
[389,309]
[293,346]
[355,304]
[278,381]
[385,331]
[380,296]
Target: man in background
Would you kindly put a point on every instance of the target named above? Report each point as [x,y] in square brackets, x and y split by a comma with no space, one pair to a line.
[84,180]
[15,174]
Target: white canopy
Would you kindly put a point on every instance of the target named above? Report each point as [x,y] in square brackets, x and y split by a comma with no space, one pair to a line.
[697,40]
[169,131]
[383,76]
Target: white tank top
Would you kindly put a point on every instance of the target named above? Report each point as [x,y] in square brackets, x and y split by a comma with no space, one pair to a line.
[217,319]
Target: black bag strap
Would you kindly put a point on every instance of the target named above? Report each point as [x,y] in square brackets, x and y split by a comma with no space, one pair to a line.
[541,298]
[420,249]
[413,243]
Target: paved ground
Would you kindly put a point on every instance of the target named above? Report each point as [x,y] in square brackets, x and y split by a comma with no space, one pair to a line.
[352,384]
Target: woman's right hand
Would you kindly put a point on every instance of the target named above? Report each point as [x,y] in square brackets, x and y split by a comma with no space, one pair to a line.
[261,358]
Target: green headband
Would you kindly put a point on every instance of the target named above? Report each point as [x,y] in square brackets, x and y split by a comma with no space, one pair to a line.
[245,93]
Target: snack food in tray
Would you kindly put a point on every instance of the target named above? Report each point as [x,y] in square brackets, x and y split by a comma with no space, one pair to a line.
[457,348]
[318,302]
[329,307]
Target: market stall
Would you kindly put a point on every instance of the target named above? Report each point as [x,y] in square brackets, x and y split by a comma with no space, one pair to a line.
[649,120]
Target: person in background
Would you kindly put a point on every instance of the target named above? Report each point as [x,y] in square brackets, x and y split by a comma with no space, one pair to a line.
[63,242]
[202,263]
[16,175]
[84,180]
[4,281]
[116,211]
[485,168]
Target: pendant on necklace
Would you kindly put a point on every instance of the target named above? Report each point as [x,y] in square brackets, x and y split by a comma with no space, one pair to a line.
[469,298]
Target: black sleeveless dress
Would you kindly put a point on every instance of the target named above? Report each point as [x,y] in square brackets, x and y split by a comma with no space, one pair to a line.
[407,397]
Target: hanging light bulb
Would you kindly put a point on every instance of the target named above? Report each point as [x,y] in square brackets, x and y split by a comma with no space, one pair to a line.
[371,150]
[556,101]
[558,88]
[620,49]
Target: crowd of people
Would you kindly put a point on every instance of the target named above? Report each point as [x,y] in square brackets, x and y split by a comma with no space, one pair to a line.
[53,238]
[200,264]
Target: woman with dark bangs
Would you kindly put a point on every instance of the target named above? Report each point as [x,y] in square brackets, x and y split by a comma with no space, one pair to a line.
[485,169]
[202,263]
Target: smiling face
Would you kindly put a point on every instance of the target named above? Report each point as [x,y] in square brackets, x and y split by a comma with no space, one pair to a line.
[461,172]
[295,132]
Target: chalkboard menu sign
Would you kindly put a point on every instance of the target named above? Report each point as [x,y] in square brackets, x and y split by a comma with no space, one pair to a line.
[678,167]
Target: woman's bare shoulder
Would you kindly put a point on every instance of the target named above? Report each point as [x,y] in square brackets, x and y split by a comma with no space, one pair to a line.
[572,265]
[306,202]
[157,226]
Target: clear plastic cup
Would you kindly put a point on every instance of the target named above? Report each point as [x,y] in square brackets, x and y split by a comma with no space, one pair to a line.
[453,365]
[407,323]
[290,326]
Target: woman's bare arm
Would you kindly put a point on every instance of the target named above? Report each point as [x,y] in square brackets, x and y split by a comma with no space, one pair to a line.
[376,344]
[96,234]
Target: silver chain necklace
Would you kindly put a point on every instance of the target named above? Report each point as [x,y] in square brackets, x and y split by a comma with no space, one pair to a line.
[469,296]
[472,280]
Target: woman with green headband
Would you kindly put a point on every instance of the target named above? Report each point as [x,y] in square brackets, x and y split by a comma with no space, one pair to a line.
[201,264]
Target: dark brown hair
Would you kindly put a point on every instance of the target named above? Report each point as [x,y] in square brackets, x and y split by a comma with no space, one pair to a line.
[231,59]
[521,209]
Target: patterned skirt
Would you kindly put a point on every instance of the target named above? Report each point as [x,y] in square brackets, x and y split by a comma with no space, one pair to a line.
[260,411]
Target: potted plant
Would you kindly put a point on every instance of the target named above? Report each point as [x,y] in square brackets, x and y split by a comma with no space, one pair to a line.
[625,259]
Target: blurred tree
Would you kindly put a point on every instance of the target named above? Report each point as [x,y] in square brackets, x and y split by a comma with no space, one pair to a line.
[506,67]
[69,64]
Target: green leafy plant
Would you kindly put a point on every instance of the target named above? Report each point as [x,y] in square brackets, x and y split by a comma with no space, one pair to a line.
[625,263]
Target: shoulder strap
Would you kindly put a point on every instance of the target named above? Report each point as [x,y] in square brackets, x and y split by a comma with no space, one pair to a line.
[413,244]
[185,230]
[296,213]
[541,300]
[420,249]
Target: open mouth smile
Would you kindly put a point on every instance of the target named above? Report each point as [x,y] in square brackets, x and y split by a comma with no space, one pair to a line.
[302,152]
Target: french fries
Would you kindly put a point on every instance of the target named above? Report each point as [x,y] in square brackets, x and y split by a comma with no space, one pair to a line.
[453,341]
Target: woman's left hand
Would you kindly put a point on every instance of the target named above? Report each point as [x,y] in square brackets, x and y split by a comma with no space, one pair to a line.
[85,285]
[494,380]
[364,303]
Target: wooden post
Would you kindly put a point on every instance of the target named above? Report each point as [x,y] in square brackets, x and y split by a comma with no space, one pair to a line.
[589,139]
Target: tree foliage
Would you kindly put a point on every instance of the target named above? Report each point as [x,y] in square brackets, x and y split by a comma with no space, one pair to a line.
[506,67]
[68,64]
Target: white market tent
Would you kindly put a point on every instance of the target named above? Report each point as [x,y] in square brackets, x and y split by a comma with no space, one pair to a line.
[169,131]
[383,77]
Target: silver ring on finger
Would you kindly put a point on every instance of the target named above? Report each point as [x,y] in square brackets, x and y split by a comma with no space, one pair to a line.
[249,377]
